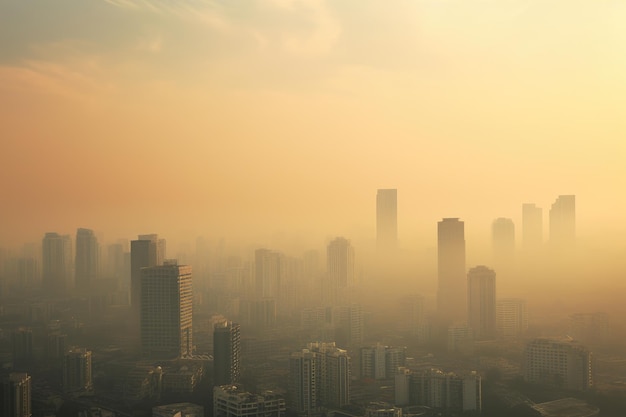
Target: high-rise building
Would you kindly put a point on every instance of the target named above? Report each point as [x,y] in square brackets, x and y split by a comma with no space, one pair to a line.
[340,271]
[503,241]
[563,221]
[445,391]
[56,262]
[481,302]
[15,395]
[22,339]
[532,226]
[232,401]
[452,287]
[381,362]
[319,377]
[589,328]
[413,320]
[387,219]
[86,258]
[77,370]
[558,362]
[226,353]
[267,273]
[143,254]
[511,317]
[166,311]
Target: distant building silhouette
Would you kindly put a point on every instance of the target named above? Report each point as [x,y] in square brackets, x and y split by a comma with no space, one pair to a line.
[511,317]
[143,254]
[481,302]
[503,242]
[340,271]
[86,259]
[56,262]
[166,311]
[15,395]
[226,353]
[381,362]
[558,362]
[387,219]
[532,226]
[452,287]
[563,221]
[267,273]
[77,375]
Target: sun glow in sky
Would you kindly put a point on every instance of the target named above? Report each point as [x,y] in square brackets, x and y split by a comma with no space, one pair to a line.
[242,117]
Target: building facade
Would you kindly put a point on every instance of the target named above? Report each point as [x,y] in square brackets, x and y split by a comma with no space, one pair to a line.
[481,302]
[15,395]
[233,401]
[77,375]
[86,260]
[226,353]
[452,286]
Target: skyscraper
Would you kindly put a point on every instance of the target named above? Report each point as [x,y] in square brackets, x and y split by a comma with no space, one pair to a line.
[77,370]
[319,375]
[15,395]
[387,219]
[86,258]
[452,287]
[481,302]
[57,262]
[226,353]
[563,221]
[143,254]
[166,311]
[532,226]
[503,241]
[267,273]
[340,271]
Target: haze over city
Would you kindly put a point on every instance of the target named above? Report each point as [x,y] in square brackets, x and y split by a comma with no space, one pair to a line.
[259,147]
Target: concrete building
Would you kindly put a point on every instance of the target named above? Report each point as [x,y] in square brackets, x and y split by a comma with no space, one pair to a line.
[77,374]
[452,286]
[563,363]
[226,353]
[340,275]
[166,311]
[443,391]
[380,409]
[387,219]
[87,259]
[233,401]
[511,318]
[143,254]
[532,227]
[563,222]
[381,362]
[481,302]
[319,377]
[57,267]
[15,395]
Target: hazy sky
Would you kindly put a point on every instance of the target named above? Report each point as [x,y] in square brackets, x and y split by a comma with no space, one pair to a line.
[199,116]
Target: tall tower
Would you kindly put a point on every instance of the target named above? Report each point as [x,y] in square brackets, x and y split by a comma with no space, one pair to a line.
[340,273]
[57,262]
[77,370]
[563,221]
[166,311]
[511,317]
[503,241]
[481,302]
[143,254]
[452,287]
[226,353]
[387,219]
[532,226]
[267,273]
[15,395]
[86,258]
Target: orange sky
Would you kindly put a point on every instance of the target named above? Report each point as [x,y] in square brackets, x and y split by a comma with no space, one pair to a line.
[239,118]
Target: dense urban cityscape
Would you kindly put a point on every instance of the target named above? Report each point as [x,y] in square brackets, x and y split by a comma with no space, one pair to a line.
[122,329]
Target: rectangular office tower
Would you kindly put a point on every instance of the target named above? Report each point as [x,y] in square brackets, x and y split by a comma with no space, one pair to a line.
[56,254]
[226,353]
[387,219]
[86,261]
[451,285]
[166,311]
[481,302]
[532,226]
[15,395]
[563,221]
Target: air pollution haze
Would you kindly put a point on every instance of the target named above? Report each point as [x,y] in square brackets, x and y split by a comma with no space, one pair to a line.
[338,136]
